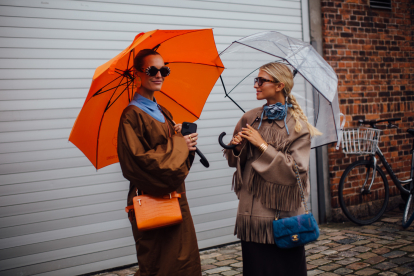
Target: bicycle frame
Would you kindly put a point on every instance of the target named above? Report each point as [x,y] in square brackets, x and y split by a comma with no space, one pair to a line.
[406,187]
[394,178]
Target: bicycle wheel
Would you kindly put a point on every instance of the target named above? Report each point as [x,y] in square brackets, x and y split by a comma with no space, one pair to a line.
[408,216]
[359,205]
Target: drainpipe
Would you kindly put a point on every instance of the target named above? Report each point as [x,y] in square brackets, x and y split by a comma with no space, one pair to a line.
[322,164]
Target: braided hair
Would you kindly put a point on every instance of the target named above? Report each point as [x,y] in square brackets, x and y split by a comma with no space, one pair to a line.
[281,73]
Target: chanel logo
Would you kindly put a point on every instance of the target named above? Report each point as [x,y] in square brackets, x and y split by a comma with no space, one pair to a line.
[295,238]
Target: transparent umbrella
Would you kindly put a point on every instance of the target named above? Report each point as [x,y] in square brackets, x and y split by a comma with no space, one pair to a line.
[316,84]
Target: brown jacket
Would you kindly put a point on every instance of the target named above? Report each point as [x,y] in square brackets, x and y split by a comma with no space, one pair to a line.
[266,182]
[156,160]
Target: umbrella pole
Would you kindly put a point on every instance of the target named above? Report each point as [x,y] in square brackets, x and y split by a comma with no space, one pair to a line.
[227,95]
[223,133]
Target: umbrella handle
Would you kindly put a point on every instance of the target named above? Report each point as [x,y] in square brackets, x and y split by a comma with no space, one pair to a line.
[220,139]
[203,159]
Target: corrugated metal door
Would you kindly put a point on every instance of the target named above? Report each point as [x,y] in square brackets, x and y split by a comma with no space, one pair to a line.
[58,216]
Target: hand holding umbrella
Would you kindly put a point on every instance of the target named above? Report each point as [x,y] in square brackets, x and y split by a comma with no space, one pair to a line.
[252,135]
[237,142]
[178,127]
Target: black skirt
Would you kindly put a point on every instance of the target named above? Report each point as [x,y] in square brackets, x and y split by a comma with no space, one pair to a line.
[269,260]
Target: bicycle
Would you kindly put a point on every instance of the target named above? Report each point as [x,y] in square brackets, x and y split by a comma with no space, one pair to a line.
[364,195]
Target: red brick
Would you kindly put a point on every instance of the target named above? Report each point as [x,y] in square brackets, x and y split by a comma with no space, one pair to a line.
[372,52]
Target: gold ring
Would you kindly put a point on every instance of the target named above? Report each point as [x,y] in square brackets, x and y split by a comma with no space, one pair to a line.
[192,139]
[189,136]
[250,131]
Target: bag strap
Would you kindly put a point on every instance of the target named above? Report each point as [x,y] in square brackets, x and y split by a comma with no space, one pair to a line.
[168,196]
[302,195]
[169,119]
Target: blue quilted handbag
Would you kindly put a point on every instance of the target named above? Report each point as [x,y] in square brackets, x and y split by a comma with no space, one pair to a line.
[298,230]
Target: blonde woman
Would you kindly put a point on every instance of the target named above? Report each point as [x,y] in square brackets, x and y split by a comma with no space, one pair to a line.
[269,140]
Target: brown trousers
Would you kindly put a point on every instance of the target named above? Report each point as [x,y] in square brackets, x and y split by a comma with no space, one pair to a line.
[131,217]
[168,251]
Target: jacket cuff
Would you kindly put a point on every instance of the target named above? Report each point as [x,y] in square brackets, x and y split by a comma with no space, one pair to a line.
[264,159]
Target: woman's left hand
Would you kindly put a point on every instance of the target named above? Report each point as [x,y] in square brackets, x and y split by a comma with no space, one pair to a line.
[178,127]
[252,135]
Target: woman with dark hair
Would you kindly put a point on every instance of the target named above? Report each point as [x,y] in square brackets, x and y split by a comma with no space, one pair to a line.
[156,159]
[269,141]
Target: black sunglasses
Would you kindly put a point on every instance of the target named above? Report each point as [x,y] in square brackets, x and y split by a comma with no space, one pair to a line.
[260,81]
[153,71]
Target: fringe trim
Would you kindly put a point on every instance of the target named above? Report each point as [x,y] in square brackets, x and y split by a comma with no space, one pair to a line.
[273,195]
[254,229]
[237,182]
[249,148]
[276,196]
[273,138]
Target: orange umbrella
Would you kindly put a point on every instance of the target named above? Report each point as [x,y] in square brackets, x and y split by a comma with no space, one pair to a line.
[195,67]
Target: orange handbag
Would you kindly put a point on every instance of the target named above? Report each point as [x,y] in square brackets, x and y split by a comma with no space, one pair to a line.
[154,212]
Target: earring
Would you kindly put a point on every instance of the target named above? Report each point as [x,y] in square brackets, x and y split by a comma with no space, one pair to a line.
[137,82]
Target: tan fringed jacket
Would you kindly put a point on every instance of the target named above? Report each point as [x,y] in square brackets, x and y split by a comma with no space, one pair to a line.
[266,182]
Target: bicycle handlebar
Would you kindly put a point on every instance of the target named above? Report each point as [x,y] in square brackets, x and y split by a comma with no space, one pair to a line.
[373,123]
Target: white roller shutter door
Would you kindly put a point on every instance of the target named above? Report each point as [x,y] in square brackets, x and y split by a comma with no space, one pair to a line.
[58,216]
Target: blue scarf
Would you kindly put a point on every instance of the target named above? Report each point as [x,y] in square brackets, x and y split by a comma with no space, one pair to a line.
[275,111]
[148,106]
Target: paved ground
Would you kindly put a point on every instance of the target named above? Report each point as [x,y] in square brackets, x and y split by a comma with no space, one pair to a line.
[383,248]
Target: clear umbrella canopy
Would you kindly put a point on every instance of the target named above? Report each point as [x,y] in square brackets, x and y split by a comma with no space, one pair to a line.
[315,84]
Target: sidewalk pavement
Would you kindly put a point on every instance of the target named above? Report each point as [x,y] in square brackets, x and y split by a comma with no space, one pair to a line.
[383,248]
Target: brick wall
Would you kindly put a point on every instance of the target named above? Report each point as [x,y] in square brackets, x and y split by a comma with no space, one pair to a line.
[372,51]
